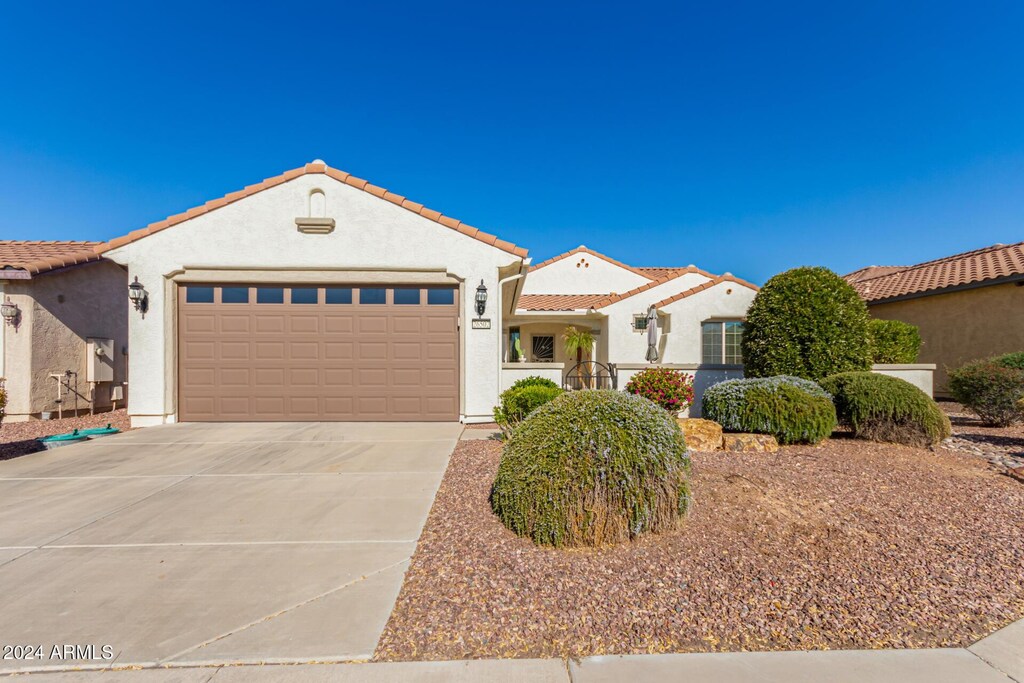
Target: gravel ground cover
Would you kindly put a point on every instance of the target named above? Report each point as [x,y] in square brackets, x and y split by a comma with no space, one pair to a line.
[1003,447]
[19,438]
[845,545]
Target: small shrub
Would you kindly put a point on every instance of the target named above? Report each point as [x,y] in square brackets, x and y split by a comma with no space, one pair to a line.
[3,401]
[670,389]
[893,341]
[593,467]
[516,404]
[882,408]
[990,389]
[807,322]
[534,381]
[792,409]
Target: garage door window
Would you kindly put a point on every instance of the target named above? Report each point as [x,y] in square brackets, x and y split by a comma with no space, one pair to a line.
[198,295]
[372,295]
[338,295]
[304,295]
[406,297]
[270,295]
[440,297]
[234,295]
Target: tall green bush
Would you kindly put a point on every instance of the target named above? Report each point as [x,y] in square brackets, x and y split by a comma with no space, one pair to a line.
[807,322]
[3,400]
[593,467]
[534,381]
[893,341]
[990,388]
[1010,360]
[882,408]
[792,409]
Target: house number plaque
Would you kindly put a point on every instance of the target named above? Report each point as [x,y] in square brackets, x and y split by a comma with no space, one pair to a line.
[481,323]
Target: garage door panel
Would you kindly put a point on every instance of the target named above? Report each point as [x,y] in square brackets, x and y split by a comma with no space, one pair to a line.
[317,361]
[235,324]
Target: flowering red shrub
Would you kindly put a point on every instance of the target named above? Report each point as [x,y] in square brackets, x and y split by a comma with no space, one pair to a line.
[670,389]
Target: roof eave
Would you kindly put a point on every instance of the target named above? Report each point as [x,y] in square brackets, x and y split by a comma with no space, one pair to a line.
[1019,277]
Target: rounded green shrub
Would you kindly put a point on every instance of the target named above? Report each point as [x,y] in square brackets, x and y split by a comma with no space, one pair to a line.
[593,467]
[792,409]
[893,341]
[517,403]
[1011,360]
[670,389]
[534,381]
[807,322]
[882,408]
[990,388]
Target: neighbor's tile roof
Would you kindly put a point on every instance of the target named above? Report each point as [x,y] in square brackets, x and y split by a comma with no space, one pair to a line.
[991,263]
[705,285]
[340,176]
[36,257]
[872,271]
[558,302]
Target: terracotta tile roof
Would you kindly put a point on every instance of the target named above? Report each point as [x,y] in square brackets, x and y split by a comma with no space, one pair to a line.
[584,250]
[340,176]
[615,298]
[706,285]
[871,271]
[558,302]
[991,263]
[657,271]
[38,257]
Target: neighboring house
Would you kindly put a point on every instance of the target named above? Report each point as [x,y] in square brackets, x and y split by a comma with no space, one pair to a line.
[967,306]
[315,295]
[65,332]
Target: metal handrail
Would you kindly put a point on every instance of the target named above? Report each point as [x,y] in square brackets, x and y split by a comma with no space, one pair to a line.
[590,374]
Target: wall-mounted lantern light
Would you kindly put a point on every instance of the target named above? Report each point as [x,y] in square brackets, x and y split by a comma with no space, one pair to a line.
[138,296]
[481,298]
[10,312]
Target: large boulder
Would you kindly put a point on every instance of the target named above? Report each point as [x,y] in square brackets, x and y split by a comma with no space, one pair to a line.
[701,435]
[750,443]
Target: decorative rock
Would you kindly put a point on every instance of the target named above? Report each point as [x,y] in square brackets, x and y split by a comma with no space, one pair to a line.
[750,443]
[701,435]
[1017,473]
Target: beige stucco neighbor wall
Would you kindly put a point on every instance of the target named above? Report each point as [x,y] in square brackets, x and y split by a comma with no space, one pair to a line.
[60,311]
[962,326]
[259,233]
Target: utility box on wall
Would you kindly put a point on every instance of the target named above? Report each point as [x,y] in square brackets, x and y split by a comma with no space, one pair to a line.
[99,361]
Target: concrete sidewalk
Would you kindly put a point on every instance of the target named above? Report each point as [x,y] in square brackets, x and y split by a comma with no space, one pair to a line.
[996,659]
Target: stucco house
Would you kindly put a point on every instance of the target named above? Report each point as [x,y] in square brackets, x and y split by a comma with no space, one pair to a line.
[966,306]
[315,295]
[64,336]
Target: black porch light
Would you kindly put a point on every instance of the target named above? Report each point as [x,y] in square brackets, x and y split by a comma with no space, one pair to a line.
[137,295]
[481,298]
[9,311]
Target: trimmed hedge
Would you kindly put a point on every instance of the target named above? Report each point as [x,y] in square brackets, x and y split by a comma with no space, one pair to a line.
[1010,360]
[517,403]
[670,389]
[792,409]
[990,388]
[593,467]
[893,341]
[807,322]
[882,408]
[534,381]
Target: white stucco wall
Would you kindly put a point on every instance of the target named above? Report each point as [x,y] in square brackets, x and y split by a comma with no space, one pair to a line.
[921,375]
[582,273]
[625,345]
[512,372]
[259,232]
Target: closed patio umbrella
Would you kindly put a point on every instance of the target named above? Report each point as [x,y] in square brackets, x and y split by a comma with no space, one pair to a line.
[652,335]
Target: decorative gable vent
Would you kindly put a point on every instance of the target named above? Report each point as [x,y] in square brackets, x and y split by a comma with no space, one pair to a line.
[316,222]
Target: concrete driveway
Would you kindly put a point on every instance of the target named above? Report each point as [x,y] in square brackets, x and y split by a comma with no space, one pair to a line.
[200,543]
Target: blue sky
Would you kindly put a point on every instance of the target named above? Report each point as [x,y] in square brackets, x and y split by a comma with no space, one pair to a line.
[743,137]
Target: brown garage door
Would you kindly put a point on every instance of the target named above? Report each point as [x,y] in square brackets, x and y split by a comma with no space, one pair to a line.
[265,352]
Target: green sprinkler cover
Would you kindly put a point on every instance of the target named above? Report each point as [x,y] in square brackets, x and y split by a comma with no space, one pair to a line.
[73,436]
[98,431]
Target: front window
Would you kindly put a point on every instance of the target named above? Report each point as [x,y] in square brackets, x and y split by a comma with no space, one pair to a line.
[640,322]
[720,342]
[543,349]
